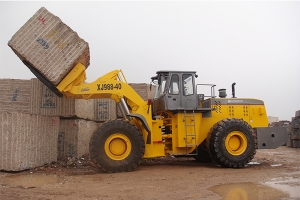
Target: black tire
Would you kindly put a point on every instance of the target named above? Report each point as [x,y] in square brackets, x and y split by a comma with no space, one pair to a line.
[117,146]
[231,143]
[203,153]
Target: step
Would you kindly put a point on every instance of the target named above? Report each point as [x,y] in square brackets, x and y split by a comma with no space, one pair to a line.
[191,134]
[191,145]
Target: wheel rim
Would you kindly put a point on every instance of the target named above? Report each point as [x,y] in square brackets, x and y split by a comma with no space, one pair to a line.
[117,146]
[236,143]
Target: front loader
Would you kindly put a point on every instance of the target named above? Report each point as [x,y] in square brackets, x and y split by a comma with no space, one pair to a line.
[179,121]
[183,119]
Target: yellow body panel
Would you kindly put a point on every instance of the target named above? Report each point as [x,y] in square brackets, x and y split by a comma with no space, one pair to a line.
[156,147]
[255,115]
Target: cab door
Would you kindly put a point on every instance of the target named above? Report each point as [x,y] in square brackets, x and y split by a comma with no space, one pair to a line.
[189,96]
[173,99]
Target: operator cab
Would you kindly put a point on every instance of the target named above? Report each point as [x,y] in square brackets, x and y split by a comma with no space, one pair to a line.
[175,91]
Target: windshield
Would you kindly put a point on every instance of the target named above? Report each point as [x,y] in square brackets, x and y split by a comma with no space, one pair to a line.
[174,84]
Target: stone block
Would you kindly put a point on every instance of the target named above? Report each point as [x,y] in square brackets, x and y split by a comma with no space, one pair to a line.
[27,141]
[49,46]
[105,109]
[297,113]
[74,137]
[15,95]
[143,89]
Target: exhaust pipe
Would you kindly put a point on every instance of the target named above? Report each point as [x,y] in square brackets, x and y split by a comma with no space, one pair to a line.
[233,90]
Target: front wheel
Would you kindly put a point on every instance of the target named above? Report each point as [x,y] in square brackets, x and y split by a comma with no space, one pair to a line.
[117,146]
[231,143]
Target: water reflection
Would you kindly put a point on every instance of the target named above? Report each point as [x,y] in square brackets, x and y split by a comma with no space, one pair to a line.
[247,191]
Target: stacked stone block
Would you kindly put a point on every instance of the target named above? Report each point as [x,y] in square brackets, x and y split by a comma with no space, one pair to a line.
[33,97]
[74,137]
[15,95]
[104,109]
[26,140]
[30,100]
[294,131]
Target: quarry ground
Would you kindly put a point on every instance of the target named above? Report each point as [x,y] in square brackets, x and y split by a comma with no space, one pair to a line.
[272,174]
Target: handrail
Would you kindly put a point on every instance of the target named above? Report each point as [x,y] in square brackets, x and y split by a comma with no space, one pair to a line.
[212,93]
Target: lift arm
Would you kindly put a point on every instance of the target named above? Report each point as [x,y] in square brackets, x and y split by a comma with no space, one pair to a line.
[112,85]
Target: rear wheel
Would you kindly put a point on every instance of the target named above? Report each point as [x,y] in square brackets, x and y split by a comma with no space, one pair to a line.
[117,146]
[231,143]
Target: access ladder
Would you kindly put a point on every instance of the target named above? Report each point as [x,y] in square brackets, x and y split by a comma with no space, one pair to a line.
[190,132]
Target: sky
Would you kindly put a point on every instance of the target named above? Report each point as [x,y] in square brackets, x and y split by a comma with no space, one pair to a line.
[255,44]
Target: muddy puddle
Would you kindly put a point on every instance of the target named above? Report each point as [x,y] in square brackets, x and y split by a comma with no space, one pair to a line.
[249,191]
[30,180]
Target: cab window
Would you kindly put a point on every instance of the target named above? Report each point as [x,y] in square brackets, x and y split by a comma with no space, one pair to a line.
[161,88]
[188,88]
[174,84]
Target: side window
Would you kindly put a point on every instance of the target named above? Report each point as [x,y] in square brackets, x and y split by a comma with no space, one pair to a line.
[161,87]
[174,85]
[188,88]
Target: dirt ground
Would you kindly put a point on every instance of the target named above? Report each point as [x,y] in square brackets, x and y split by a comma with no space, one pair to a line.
[272,174]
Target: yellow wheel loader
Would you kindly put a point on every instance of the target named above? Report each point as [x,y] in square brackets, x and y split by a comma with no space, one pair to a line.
[183,119]
[179,121]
